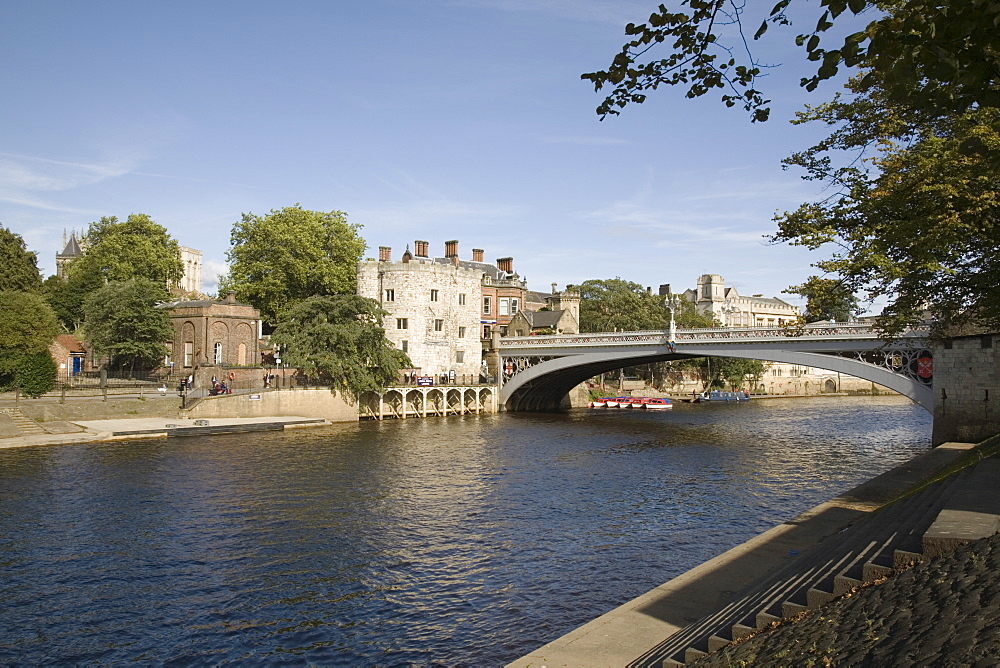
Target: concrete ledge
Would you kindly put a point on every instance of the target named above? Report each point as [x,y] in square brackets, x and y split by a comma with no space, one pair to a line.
[972,513]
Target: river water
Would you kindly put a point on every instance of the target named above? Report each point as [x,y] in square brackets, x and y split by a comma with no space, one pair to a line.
[444,541]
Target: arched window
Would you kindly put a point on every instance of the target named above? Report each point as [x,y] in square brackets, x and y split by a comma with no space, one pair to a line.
[218,352]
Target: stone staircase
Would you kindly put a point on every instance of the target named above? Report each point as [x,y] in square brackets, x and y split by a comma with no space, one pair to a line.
[953,511]
[24,424]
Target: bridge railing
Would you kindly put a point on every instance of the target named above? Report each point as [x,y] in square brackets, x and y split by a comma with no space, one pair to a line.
[813,331]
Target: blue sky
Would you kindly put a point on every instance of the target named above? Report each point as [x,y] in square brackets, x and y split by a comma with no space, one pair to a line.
[435,120]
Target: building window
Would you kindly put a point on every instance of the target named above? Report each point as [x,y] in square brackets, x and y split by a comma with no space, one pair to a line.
[461,299]
[402,323]
[504,306]
[459,356]
[461,332]
[513,306]
[390,295]
[188,353]
[438,324]
[503,330]
[434,295]
[218,352]
[487,331]
[487,305]
[404,345]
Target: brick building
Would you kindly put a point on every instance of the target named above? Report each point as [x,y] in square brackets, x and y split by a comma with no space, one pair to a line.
[213,332]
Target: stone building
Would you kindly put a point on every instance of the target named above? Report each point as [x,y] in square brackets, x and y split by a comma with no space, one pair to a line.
[213,332]
[712,296]
[190,282]
[72,248]
[504,295]
[435,306]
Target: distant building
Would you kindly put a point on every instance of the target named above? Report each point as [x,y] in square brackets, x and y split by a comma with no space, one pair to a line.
[73,248]
[561,314]
[734,310]
[190,282]
[213,332]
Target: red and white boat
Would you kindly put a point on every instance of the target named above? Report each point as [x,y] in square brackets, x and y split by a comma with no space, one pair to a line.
[657,404]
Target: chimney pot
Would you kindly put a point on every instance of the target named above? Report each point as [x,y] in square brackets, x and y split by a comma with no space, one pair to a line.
[477,254]
[384,254]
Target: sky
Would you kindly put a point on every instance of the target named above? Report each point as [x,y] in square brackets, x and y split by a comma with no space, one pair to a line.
[428,119]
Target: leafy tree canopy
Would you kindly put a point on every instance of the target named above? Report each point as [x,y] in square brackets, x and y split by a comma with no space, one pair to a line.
[937,55]
[913,213]
[614,304]
[827,299]
[66,296]
[291,254]
[18,265]
[122,321]
[339,339]
[134,248]
[27,328]
[27,323]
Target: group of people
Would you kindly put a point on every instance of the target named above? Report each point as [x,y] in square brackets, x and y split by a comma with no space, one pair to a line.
[220,387]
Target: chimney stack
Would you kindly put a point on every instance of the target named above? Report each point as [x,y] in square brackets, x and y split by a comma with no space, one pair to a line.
[384,254]
[477,254]
[451,251]
[554,285]
[506,264]
[420,248]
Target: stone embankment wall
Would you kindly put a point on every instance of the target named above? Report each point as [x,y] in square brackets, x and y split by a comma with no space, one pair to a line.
[316,403]
[967,388]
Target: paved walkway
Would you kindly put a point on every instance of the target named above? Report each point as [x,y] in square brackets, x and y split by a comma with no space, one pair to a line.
[158,427]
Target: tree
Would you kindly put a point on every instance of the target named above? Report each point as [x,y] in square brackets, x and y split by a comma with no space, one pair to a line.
[826,299]
[123,250]
[339,339]
[937,55]
[123,322]
[67,296]
[913,215]
[291,254]
[18,265]
[27,328]
[617,305]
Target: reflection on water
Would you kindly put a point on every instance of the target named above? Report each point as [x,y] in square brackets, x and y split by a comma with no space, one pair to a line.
[461,540]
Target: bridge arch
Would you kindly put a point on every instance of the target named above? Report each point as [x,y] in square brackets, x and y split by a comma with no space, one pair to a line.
[544,372]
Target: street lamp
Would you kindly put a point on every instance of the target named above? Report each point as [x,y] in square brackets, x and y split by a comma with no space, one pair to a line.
[672,302]
[728,311]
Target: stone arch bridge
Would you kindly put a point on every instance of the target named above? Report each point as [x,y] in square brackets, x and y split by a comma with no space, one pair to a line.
[537,372]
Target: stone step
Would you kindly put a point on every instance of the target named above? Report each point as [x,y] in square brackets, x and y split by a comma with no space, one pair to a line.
[24,424]
[972,513]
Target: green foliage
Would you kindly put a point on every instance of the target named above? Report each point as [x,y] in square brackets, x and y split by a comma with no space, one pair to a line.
[27,323]
[33,374]
[291,254]
[614,304]
[939,56]
[135,248]
[27,328]
[122,321]
[339,339]
[827,299]
[714,371]
[66,296]
[913,215]
[18,265]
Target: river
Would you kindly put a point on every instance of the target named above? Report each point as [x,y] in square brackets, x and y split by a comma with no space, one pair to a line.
[466,540]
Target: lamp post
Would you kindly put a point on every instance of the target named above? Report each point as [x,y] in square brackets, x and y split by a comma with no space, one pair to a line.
[728,311]
[672,302]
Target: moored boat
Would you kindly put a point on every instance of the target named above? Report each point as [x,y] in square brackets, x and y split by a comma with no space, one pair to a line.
[657,404]
[718,395]
[624,402]
[611,402]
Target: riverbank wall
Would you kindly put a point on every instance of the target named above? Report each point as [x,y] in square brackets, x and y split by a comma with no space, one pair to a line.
[314,403]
